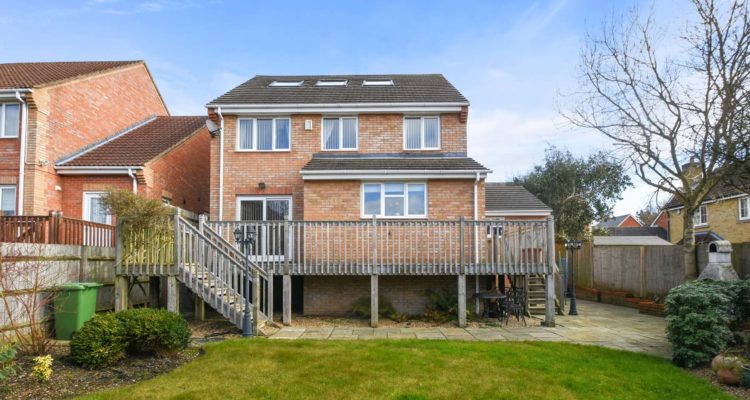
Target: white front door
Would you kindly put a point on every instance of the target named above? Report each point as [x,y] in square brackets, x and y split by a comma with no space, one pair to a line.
[93,208]
[270,240]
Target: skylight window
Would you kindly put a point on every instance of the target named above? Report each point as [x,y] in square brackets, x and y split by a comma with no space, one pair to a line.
[331,82]
[286,83]
[377,82]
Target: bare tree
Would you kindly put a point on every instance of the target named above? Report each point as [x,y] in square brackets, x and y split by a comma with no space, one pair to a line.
[679,114]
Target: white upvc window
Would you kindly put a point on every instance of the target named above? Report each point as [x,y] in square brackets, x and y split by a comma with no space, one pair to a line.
[394,200]
[700,218]
[7,200]
[10,120]
[94,209]
[340,133]
[264,134]
[744,205]
[422,133]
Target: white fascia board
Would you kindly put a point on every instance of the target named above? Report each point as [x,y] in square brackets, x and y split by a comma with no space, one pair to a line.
[95,170]
[392,174]
[515,213]
[338,108]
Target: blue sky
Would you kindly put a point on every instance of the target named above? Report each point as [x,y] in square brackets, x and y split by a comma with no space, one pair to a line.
[509,58]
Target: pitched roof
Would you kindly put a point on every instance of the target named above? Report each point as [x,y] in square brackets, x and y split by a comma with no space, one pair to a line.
[613,222]
[719,191]
[501,196]
[426,88]
[376,162]
[640,231]
[32,74]
[137,145]
[630,241]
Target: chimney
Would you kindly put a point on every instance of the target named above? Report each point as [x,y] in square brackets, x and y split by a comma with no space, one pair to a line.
[692,170]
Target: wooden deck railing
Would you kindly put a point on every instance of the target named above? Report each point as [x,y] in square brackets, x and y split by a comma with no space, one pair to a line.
[55,229]
[397,247]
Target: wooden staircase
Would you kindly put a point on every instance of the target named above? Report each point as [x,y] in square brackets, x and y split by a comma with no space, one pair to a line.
[214,270]
[536,297]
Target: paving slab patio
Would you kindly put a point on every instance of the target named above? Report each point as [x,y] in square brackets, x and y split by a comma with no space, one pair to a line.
[596,324]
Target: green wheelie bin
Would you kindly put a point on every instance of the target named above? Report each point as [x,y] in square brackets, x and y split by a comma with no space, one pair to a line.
[75,303]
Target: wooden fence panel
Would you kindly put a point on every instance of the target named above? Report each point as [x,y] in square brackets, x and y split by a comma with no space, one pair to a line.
[617,268]
[664,269]
[741,259]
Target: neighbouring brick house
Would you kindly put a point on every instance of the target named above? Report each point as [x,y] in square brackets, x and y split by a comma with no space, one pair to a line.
[351,149]
[724,214]
[51,110]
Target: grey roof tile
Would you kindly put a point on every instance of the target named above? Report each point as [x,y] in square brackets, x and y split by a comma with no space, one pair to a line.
[364,162]
[424,88]
[501,196]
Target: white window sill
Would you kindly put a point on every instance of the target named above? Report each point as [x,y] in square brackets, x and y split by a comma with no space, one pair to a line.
[8,137]
[333,150]
[381,218]
[700,225]
[425,149]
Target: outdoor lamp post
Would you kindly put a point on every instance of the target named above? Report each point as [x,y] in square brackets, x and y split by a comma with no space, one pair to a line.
[245,237]
[572,245]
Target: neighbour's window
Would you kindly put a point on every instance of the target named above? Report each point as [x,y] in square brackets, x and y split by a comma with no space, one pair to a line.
[340,133]
[10,119]
[745,207]
[394,200]
[94,209]
[263,134]
[701,216]
[422,133]
[7,200]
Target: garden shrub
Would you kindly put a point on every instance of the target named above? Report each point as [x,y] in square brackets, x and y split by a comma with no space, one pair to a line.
[8,353]
[701,316]
[154,331]
[361,308]
[100,342]
[442,305]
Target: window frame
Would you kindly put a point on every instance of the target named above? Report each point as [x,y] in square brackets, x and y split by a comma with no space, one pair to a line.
[255,134]
[341,132]
[86,209]
[3,134]
[702,210]
[4,188]
[382,215]
[422,132]
[747,208]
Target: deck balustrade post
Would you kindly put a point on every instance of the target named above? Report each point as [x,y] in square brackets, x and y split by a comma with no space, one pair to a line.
[256,302]
[177,242]
[462,300]
[200,309]
[118,249]
[374,300]
[286,291]
[549,277]
[121,293]
[173,294]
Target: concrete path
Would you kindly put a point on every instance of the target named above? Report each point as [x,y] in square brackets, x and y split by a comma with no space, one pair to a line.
[596,324]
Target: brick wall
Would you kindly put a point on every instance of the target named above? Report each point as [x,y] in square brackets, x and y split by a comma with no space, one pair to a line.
[182,174]
[74,186]
[723,219]
[340,200]
[378,133]
[67,116]
[335,295]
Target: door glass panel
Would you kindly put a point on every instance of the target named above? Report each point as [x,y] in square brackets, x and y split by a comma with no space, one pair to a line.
[251,210]
[276,210]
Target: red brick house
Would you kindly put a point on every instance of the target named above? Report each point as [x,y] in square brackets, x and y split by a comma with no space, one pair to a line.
[373,173]
[51,111]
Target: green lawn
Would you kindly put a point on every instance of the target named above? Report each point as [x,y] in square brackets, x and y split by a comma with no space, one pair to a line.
[265,369]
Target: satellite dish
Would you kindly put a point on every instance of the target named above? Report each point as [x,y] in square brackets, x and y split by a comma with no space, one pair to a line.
[213,129]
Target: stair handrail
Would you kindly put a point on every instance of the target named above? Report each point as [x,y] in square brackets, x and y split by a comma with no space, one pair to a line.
[237,263]
[231,249]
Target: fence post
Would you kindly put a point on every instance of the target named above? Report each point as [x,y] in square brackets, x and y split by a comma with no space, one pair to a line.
[549,279]
[54,228]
